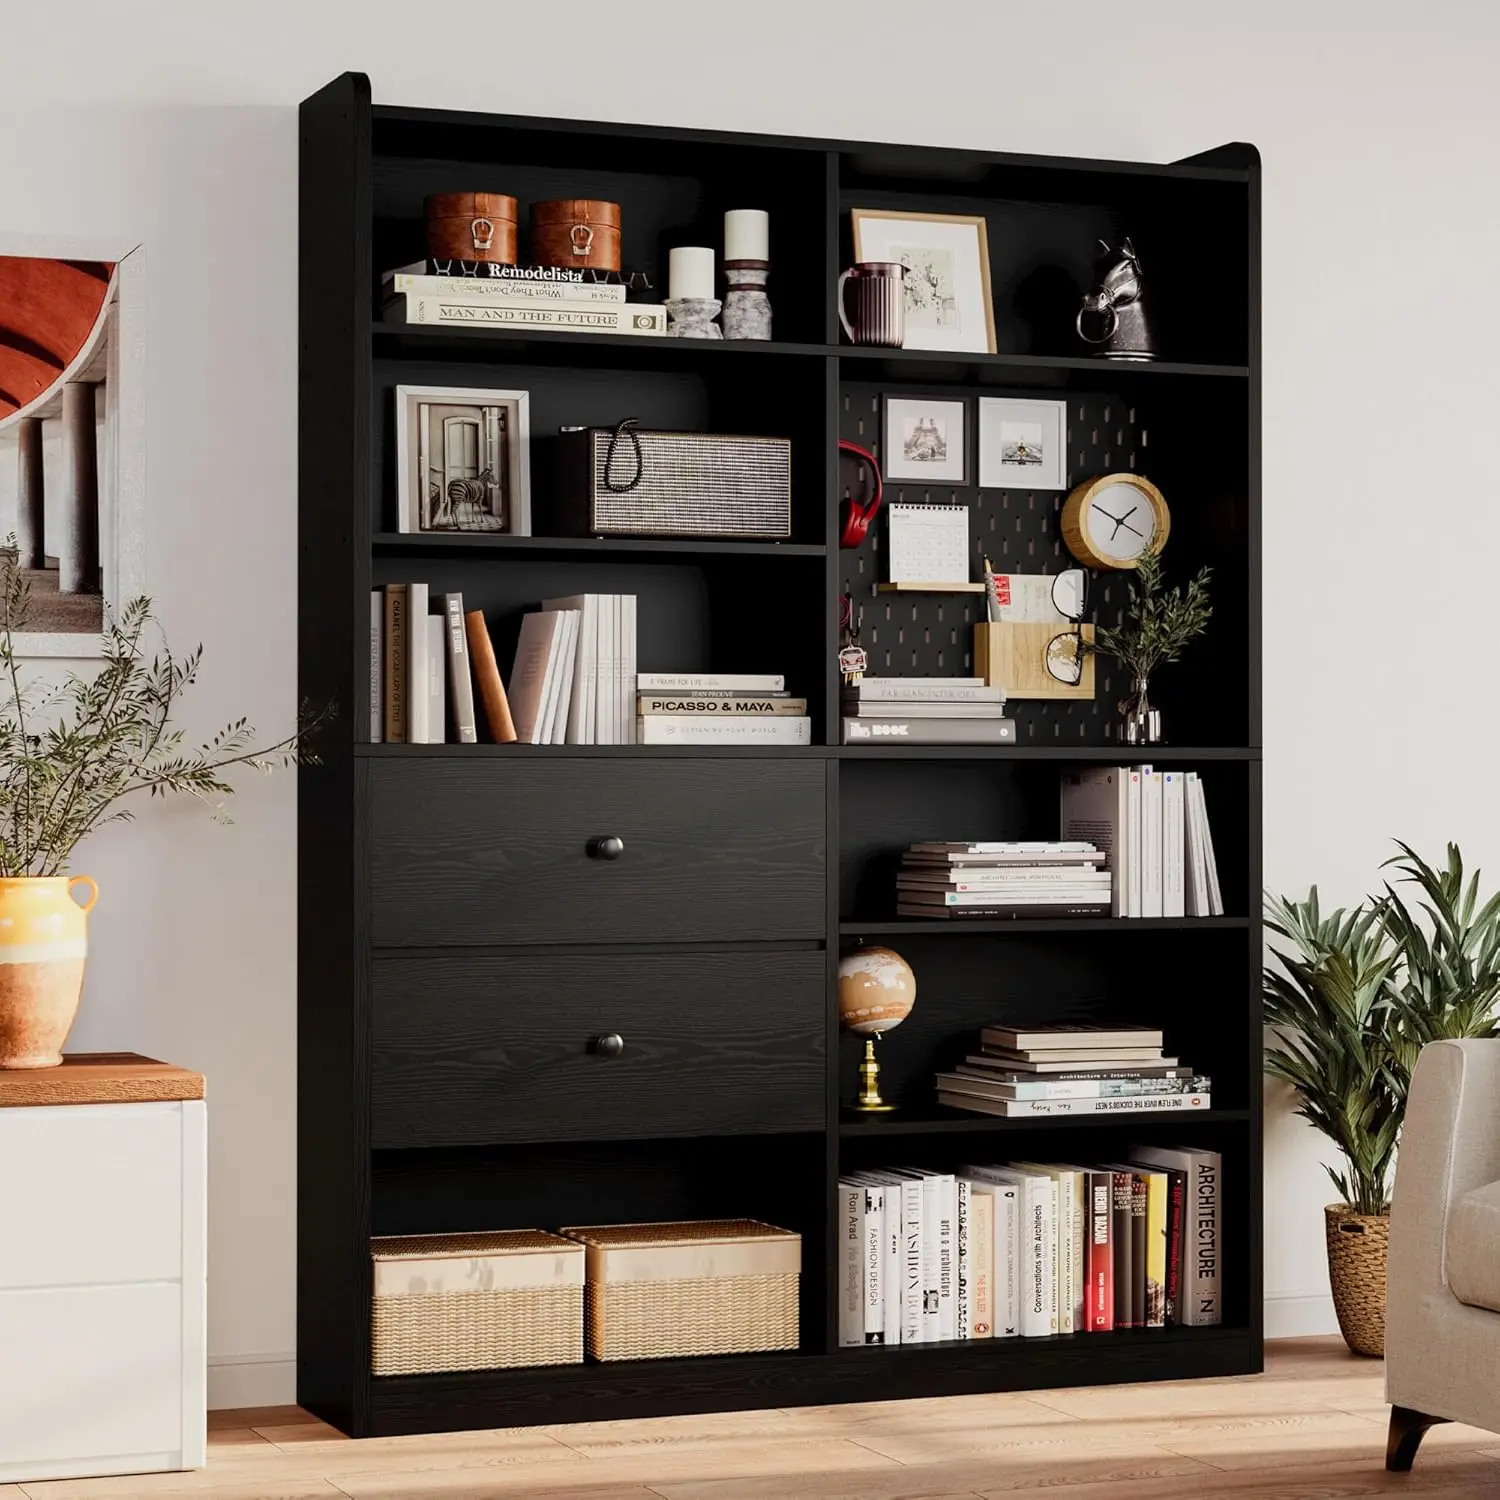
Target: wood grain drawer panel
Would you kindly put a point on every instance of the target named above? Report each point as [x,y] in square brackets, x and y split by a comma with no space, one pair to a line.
[497,852]
[469,1051]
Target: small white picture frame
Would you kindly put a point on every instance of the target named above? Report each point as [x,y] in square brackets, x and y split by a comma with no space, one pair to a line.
[925,440]
[463,460]
[1023,445]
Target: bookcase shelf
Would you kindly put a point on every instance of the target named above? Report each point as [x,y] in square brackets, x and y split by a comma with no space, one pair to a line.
[1063,926]
[938,1121]
[447,891]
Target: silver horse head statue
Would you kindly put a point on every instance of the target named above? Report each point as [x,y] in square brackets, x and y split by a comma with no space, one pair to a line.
[1112,320]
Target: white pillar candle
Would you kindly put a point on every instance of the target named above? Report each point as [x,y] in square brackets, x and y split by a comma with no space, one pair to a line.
[690,272]
[747,234]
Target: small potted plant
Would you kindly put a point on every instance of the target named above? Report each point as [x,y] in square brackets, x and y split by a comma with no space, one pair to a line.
[1351,1000]
[75,756]
[1158,625]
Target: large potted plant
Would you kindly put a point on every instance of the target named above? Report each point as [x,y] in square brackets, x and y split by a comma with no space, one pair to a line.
[75,756]
[1351,999]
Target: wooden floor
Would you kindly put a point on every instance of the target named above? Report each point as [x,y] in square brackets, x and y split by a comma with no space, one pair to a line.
[1311,1428]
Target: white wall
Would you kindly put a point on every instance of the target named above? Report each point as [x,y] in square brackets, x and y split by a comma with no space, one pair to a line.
[176,123]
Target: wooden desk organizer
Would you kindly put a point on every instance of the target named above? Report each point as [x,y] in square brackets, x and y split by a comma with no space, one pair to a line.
[1014,656]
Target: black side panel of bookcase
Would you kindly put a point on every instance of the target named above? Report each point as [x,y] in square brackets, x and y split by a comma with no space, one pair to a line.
[333,1153]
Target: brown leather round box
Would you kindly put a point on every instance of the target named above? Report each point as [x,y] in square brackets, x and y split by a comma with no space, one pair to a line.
[471,226]
[582,232]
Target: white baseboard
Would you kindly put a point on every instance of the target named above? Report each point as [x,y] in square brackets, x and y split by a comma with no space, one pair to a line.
[1299,1315]
[236,1380]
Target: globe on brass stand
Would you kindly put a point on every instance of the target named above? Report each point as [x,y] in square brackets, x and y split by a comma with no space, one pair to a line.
[876,991]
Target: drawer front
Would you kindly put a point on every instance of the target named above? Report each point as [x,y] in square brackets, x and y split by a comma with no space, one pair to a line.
[91,1381]
[470,1051]
[93,1193]
[488,851]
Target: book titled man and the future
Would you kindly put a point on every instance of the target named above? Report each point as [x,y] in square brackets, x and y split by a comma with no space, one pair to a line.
[1031,1249]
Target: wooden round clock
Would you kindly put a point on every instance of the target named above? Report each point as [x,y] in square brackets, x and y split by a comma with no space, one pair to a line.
[1110,521]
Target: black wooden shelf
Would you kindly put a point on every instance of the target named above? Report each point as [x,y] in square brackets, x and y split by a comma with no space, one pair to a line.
[557,346]
[462,933]
[639,1388]
[1077,754]
[1061,925]
[933,1120]
[605,548]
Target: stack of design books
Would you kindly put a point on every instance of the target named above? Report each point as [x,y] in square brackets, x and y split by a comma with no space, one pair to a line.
[496,296]
[1071,1070]
[1031,1249]
[719,708]
[926,711]
[1056,878]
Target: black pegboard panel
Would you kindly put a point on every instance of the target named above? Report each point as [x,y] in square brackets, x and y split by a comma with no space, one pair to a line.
[932,635]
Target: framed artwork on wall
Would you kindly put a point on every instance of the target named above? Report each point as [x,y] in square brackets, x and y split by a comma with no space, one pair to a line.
[949,304]
[925,440]
[73,434]
[463,460]
[1023,445]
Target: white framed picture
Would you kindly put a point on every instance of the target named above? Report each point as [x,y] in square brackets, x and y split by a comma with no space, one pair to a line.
[463,460]
[924,440]
[947,284]
[1023,445]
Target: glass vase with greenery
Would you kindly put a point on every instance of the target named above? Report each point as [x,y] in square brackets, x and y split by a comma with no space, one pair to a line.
[80,753]
[1352,998]
[1159,624]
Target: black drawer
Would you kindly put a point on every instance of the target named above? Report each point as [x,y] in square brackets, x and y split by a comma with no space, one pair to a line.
[495,851]
[470,1051]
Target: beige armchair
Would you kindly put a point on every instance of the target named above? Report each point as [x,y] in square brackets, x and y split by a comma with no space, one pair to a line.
[1442,1330]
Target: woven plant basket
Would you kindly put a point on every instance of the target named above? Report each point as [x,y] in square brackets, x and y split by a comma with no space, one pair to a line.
[1356,1268]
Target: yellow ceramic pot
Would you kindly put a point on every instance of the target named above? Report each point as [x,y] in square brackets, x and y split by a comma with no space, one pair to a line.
[43,944]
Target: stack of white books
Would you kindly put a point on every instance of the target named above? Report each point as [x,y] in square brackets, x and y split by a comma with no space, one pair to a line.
[1153,828]
[719,708]
[574,672]
[1039,878]
[925,711]
[1071,1070]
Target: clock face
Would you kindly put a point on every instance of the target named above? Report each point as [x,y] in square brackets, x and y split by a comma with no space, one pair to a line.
[1120,522]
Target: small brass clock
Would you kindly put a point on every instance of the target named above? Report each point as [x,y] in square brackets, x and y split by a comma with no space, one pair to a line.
[1110,521]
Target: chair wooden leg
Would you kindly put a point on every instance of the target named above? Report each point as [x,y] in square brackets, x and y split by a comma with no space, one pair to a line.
[1407,1430]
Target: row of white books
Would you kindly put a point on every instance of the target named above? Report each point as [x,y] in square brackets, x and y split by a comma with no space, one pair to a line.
[574,675]
[1004,878]
[1153,827]
[1072,1070]
[1031,1249]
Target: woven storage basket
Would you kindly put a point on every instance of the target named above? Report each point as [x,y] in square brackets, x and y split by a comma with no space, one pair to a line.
[1356,1268]
[718,1286]
[475,1302]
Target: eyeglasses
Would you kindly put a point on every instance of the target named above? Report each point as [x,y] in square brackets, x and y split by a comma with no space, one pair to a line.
[1065,652]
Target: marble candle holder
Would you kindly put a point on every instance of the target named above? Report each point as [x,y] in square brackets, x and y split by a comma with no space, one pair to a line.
[693,318]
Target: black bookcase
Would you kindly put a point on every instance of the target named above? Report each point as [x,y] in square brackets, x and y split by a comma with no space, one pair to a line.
[458,947]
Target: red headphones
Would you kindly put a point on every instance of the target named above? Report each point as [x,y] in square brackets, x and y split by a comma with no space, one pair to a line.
[859,514]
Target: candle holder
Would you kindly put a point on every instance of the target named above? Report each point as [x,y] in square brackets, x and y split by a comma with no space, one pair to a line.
[747,308]
[693,317]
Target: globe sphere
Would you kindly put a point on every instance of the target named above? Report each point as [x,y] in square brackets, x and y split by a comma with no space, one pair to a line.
[876,990]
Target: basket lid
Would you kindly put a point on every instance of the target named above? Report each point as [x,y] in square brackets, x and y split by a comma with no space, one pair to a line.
[463,1246]
[576,211]
[470,206]
[691,1232]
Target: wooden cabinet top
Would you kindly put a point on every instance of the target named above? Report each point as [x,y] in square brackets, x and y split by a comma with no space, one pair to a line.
[99,1078]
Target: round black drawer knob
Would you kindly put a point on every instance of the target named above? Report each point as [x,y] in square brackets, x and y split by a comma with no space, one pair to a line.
[607,848]
[610,1045]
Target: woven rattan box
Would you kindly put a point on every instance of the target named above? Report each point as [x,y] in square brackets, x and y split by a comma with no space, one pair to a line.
[476,1302]
[717,1286]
